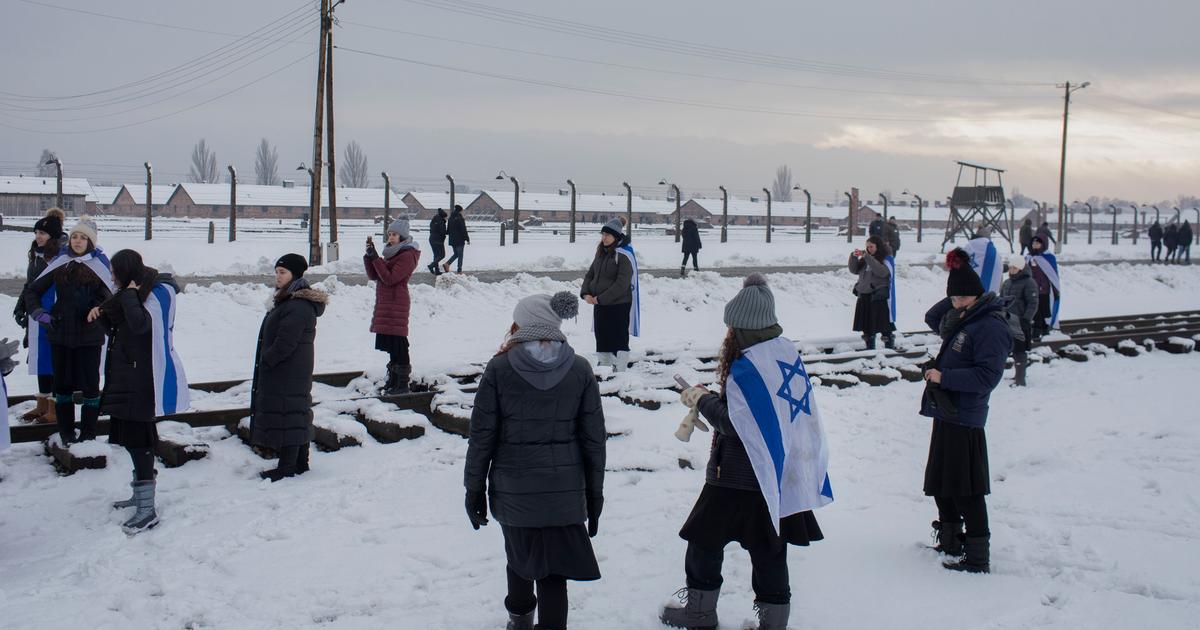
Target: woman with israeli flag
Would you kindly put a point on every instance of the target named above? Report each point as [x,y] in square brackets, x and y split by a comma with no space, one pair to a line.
[767,469]
[611,287]
[59,302]
[143,376]
[45,247]
[1045,273]
[985,259]
[875,308]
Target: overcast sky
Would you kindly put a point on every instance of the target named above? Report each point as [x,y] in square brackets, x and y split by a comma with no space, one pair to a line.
[881,95]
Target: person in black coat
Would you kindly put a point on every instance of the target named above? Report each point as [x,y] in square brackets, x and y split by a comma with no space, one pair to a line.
[1185,244]
[76,339]
[537,450]
[437,241]
[691,246]
[47,243]
[1170,241]
[608,287]
[129,388]
[875,228]
[731,507]
[281,396]
[459,238]
[1156,238]
[976,340]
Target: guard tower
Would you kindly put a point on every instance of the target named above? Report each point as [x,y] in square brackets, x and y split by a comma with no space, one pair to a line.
[978,201]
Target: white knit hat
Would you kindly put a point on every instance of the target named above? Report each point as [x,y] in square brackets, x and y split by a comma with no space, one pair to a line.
[1016,261]
[86,226]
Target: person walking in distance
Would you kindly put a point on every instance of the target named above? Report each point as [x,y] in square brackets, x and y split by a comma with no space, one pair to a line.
[1026,236]
[537,450]
[691,246]
[46,246]
[976,340]
[1020,295]
[459,238]
[391,273]
[281,394]
[437,241]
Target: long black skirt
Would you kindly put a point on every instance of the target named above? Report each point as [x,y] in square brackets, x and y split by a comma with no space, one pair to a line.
[132,434]
[612,327]
[725,515]
[958,461]
[872,316]
[538,552]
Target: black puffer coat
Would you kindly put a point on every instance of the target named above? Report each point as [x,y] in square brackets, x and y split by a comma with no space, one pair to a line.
[1020,295]
[539,452]
[437,228]
[38,261]
[281,397]
[129,369]
[77,291]
[609,278]
[457,229]
[728,464]
[691,237]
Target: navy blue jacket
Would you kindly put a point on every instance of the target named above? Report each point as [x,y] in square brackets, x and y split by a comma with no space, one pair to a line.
[971,360]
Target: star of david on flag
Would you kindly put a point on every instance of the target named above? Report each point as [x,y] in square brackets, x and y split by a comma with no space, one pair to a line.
[790,372]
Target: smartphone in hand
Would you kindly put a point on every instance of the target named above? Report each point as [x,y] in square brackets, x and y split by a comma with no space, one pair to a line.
[680,382]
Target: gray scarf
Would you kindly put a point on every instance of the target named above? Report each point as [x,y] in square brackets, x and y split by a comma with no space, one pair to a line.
[537,332]
[390,250]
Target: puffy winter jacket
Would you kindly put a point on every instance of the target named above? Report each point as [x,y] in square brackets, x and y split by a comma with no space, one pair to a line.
[609,278]
[891,235]
[1185,235]
[872,275]
[77,291]
[1020,295]
[539,452]
[971,360]
[875,228]
[37,264]
[437,228]
[281,396]
[129,366]
[1156,232]
[457,229]
[1171,236]
[728,464]
[392,300]
[691,237]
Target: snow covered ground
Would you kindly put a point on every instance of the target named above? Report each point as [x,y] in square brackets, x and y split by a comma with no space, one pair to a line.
[1095,470]
[180,245]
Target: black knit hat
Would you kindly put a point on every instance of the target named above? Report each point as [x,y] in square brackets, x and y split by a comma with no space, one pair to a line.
[52,223]
[294,263]
[962,281]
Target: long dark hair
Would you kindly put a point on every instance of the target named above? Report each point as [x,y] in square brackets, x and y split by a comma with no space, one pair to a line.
[881,248]
[730,352]
[49,250]
[127,267]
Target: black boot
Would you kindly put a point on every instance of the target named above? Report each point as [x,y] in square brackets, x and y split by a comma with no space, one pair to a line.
[978,556]
[772,616]
[1019,363]
[889,342]
[390,383]
[949,538]
[399,382]
[870,341]
[699,610]
[302,460]
[286,467]
[66,420]
[88,417]
[520,622]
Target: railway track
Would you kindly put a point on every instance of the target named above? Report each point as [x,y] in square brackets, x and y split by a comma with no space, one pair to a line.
[446,400]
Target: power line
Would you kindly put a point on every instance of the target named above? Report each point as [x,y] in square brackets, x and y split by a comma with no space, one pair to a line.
[650,98]
[1161,110]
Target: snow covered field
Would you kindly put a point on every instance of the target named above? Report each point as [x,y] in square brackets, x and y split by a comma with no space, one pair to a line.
[180,245]
[1095,469]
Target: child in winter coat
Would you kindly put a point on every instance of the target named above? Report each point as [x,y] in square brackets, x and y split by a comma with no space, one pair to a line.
[872,315]
[82,281]
[47,243]
[731,507]
[537,449]
[391,273]
[1020,295]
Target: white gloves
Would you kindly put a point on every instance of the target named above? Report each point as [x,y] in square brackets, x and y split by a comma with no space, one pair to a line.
[691,397]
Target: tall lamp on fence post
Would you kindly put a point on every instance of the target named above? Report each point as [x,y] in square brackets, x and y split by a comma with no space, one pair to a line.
[451,180]
[885,206]
[768,214]
[920,209]
[807,213]
[849,218]
[1114,226]
[387,202]
[1178,214]
[1090,211]
[516,205]
[233,203]
[628,207]
[149,199]
[678,212]
[1135,224]
[724,214]
[314,221]
[1197,215]
[1012,217]
[572,185]
[58,200]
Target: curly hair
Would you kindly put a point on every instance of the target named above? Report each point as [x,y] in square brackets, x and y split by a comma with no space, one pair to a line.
[730,352]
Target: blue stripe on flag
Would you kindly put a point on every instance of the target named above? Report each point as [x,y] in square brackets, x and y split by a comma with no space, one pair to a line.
[826,489]
[989,267]
[762,407]
[170,388]
[45,366]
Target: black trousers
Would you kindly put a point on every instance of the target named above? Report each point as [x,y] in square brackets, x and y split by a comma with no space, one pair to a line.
[439,252]
[550,601]
[695,261]
[1155,250]
[76,369]
[1025,248]
[45,383]
[971,511]
[143,463]
[768,576]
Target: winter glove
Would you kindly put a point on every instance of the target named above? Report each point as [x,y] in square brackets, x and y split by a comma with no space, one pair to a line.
[20,315]
[371,253]
[691,396]
[594,506]
[8,349]
[44,319]
[690,423]
[477,508]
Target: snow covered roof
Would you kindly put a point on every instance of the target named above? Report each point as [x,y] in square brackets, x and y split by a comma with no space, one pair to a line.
[162,192]
[435,200]
[106,195]
[256,195]
[553,202]
[33,185]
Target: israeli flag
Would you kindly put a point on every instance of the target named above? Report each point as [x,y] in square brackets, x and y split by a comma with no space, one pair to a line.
[5,439]
[635,309]
[890,263]
[39,344]
[773,408]
[170,381]
[986,262]
[1048,263]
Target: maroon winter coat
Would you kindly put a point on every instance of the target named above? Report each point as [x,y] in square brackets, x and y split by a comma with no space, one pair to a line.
[392,302]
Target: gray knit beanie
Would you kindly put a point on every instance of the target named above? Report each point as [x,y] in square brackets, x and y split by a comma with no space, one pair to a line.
[400,226]
[614,227]
[753,308]
[539,317]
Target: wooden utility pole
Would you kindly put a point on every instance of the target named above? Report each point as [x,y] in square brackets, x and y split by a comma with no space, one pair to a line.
[314,207]
[232,204]
[332,146]
[1062,169]
[149,199]
[387,203]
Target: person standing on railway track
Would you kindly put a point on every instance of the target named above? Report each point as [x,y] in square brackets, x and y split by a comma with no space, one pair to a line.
[281,395]
[46,246]
[976,339]
[875,292]
[1020,295]
[610,286]
[767,468]
[1156,239]
[437,241]
[1171,241]
[537,450]
[59,301]
[391,273]
[143,376]
[1185,244]
[459,238]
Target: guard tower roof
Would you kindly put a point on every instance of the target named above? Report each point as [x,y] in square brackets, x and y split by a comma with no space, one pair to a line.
[980,166]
